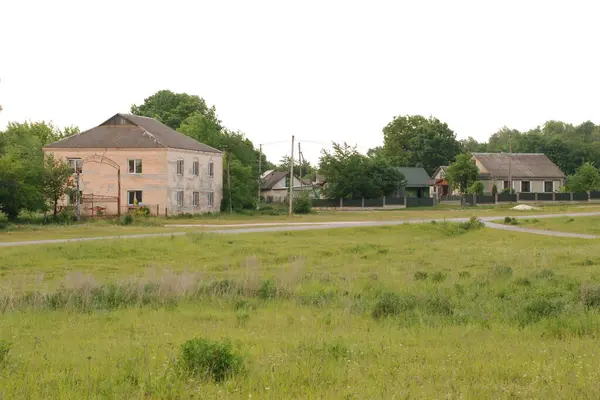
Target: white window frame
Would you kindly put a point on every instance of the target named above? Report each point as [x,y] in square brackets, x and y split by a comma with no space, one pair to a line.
[134,197]
[180,170]
[73,164]
[196,199]
[211,169]
[196,167]
[210,197]
[135,166]
[552,191]
[178,193]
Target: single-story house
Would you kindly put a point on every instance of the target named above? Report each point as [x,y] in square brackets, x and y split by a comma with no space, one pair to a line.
[417,182]
[275,186]
[131,161]
[439,184]
[530,172]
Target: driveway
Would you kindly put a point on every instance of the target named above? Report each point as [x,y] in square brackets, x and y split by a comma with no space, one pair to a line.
[278,227]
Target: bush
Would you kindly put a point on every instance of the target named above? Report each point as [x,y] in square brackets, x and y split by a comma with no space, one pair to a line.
[392,304]
[591,297]
[209,359]
[267,290]
[4,350]
[438,276]
[302,204]
[510,221]
[127,220]
[494,190]
[66,215]
[438,304]
[143,211]
[538,309]
[473,223]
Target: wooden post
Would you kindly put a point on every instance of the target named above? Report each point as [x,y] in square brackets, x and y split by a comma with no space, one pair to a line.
[119,193]
[157,212]
[259,173]
[553,196]
[571,196]
[341,202]
[228,158]
[291,180]
[496,198]
[362,202]
[166,211]
[383,201]
[92,205]
[536,197]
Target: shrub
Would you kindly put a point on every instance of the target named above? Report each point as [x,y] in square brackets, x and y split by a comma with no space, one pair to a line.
[438,304]
[591,297]
[390,304]
[545,273]
[420,276]
[267,290]
[66,215]
[4,350]
[302,204]
[209,359]
[472,224]
[127,220]
[501,271]
[438,276]
[538,309]
[464,274]
[494,189]
[143,211]
[242,317]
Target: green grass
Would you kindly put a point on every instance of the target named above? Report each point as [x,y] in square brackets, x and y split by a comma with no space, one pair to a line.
[407,311]
[587,225]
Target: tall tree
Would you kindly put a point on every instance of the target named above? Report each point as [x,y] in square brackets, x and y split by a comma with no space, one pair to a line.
[353,175]
[305,166]
[462,173]
[57,180]
[587,178]
[173,108]
[416,141]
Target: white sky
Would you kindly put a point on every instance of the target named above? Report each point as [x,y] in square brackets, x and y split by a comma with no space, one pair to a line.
[321,70]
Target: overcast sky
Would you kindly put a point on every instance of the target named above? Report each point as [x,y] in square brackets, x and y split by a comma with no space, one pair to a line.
[321,70]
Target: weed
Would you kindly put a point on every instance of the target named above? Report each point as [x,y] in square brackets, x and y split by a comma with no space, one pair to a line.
[438,304]
[540,308]
[420,276]
[464,274]
[267,290]
[242,317]
[545,273]
[4,350]
[438,276]
[127,220]
[209,359]
[591,297]
[389,304]
[501,271]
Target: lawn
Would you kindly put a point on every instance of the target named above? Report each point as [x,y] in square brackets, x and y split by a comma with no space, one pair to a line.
[109,227]
[428,311]
[587,225]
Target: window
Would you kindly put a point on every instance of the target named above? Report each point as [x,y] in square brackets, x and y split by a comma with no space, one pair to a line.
[196,199]
[134,197]
[196,168]
[210,197]
[73,194]
[180,198]
[180,166]
[76,164]
[549,186]
[525,186]
[211,169]
[506,185]
[135,166]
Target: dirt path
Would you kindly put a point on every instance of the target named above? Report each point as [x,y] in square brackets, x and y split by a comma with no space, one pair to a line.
[258,228]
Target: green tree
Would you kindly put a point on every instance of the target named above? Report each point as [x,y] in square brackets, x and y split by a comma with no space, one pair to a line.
[462,173]
[174,108]
[587,178]
[416,141]
[470,145]
[57,181]
[475,188]
[307,169]
[353,175]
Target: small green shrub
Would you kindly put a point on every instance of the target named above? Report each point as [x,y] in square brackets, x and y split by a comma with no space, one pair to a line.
[438,276]
[267,290]
[209,359]
[242,317]
[545,273]
[127,220]
[501,271]
[538,309]
[438,304]
[389,304]
[510,221]
[4,350]
[302,204]
[420,276]
[473,223]
[591,297]
[143,211]
[464,274]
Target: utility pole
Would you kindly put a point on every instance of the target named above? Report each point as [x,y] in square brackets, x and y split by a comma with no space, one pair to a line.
[77,196]
[291,179]
[259,176]
[510,184]
[228,158]
[300,164]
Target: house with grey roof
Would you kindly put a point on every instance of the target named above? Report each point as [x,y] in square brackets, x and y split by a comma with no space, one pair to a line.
[275,186]
[417,182]
[529,172]
[130,161]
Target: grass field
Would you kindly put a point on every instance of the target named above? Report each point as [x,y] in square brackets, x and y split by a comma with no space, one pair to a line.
[423,311]
[587,225]
[108,227]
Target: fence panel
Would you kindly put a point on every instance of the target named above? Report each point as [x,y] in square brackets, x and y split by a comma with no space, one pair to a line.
[527,196]
[563,196]
[419,202]
[581,196]
[352,203]
[450,198]
[594,195]
[373,202]
[394,201]
[545,196]
[507,198]
[323,203]
[485,199]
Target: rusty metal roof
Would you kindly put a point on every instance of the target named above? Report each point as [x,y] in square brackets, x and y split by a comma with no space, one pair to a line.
[137,132]
[523,165]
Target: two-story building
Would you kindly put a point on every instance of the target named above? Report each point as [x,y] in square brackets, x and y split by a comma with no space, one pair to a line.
[135,161]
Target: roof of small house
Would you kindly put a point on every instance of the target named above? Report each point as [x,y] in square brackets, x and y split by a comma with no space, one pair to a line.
[132,131]
[415,176]
[441,169]
[271,179]
[522,165]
